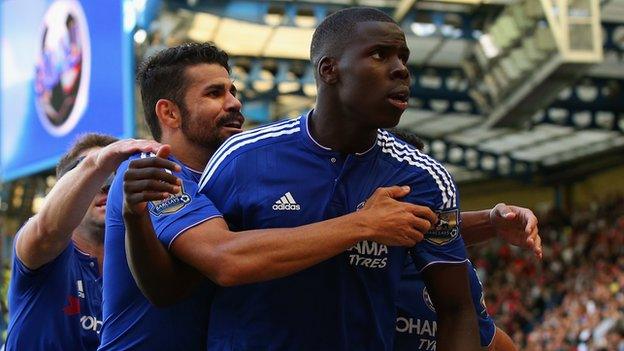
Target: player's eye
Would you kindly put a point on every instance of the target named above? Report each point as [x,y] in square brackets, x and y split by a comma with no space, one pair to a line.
[404,57]
[378,55]
[213,93]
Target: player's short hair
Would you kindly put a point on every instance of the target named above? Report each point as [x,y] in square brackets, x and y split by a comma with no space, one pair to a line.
[408,137]
[337,29]
[84,142]
[162,76]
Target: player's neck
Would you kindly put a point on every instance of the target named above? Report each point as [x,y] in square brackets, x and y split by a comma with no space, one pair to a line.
[332,128]
[90,243]
[191,154]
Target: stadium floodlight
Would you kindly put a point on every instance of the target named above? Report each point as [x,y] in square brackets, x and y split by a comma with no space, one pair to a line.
[587,92]
[605,119]
[471,157]
[287,81]
[455,154]
[261,79]
[430,79]
[490,49]
[504,165]
[423,29]
[487,162]
[239,77]
[308,82]
[139,36]
[582,119]
[462,106]
[439,105]
[438,149]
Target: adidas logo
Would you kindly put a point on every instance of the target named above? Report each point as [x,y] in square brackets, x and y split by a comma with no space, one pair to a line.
[286,203]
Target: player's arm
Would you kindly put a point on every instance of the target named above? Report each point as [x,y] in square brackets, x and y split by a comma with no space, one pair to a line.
[161,277]
[515,225]
[230,258]
[449,291]
[502,342]
[49,232]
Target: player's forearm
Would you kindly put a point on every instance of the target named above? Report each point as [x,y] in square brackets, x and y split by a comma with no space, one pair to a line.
[69,200]
[49,232]
[458,331]
[260,255]
[476,227]
[160,277]
[449,291]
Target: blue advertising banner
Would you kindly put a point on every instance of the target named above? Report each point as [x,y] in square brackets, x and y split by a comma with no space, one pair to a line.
[65,69]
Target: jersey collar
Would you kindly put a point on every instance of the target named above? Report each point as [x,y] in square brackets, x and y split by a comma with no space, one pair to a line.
[314,145]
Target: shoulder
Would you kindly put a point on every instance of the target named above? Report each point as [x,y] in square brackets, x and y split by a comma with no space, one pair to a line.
[256,138]
[411,160]
[123,166]
[250,141]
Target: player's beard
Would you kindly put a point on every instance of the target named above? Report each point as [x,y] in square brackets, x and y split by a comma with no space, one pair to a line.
[198,133]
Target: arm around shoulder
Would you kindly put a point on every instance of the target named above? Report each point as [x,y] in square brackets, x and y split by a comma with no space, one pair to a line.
[49,232]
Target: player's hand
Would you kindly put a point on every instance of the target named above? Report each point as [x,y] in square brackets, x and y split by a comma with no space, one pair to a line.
[517,226]
[108,158]
[146,179]
[396,223]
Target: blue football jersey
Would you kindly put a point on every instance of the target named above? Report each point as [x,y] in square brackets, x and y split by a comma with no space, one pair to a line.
[416,323]
[57,306]
[130,321]
[279,176]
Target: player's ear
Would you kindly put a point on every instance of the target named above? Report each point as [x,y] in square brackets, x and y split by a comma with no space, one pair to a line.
[168,113]
[327,70]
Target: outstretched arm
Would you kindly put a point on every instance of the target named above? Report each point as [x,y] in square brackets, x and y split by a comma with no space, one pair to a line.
[49,232]
[515,225]
[502,342]
[230,258]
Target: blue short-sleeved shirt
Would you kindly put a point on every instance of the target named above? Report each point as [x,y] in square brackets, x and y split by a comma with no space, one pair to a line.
[130,321]
[416,323]
[278,176]
[56,306]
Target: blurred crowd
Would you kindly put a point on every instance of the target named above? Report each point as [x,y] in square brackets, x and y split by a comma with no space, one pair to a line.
[574,298]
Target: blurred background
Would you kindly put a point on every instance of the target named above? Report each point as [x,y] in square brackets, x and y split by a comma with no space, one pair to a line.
[523,100]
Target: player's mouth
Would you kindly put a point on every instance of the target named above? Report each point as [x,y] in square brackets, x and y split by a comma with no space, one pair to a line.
[233,123]
[101,203]
[399,98]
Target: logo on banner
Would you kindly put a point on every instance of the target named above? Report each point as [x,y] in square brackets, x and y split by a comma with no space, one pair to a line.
[63,67]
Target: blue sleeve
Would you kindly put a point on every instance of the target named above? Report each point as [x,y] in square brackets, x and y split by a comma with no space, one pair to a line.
[170,217]
[442,243]
[25,277]
[176,214]
[114,202]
